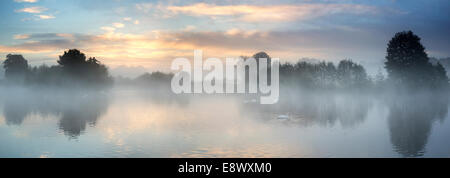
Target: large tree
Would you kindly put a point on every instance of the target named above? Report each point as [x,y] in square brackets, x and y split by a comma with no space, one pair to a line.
[407,62]
[72,58]
[16,67]
[74,63]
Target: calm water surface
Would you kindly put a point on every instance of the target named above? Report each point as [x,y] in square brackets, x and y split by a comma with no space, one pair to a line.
[127,123]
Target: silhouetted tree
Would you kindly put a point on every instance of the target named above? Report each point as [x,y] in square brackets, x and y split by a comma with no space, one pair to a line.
[97,72]
[74,70]
[407,62]
[91,71]
[72,58]
[16,67]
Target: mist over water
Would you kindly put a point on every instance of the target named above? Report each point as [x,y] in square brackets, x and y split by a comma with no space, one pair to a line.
[138,122]
[76,109]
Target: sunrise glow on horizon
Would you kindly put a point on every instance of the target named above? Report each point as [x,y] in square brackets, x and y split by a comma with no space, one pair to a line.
[150,34]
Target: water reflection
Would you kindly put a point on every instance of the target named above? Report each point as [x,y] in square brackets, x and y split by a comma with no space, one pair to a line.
[15,111]
[411,120]
[146,124]
[325,109]
[82,111]
[410,117]
[76,110]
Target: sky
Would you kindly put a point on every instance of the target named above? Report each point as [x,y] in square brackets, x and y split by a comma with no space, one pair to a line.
[134,36]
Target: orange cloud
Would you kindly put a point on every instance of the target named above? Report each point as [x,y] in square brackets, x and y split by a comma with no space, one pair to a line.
[118,25]
[21,36]
[33,10]
[45,17]
[157,49]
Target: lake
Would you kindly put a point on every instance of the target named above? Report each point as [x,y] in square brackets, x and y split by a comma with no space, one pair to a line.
[126,123]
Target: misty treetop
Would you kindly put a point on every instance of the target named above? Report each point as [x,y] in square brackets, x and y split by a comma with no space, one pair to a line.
[73,70]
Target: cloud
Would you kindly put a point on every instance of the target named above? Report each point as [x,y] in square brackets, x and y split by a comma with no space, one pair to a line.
[331,31]
[274,13]
[129,19]
[118,25]
[190,28]
[21,37]
[45,17]
[159,48]
[44,42]
[113,48]
[109,29]
[33,10]
[28,1]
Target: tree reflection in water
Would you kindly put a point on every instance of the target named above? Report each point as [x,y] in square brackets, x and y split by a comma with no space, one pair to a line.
[76,110]
[410,117]
[411,120]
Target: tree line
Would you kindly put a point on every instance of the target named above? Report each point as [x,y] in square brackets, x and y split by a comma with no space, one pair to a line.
[407,64]
[324,75]
[73,69]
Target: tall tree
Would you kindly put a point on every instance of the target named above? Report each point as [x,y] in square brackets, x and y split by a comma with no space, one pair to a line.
[407,62]
[72,58]
[91,71]
[16,67]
